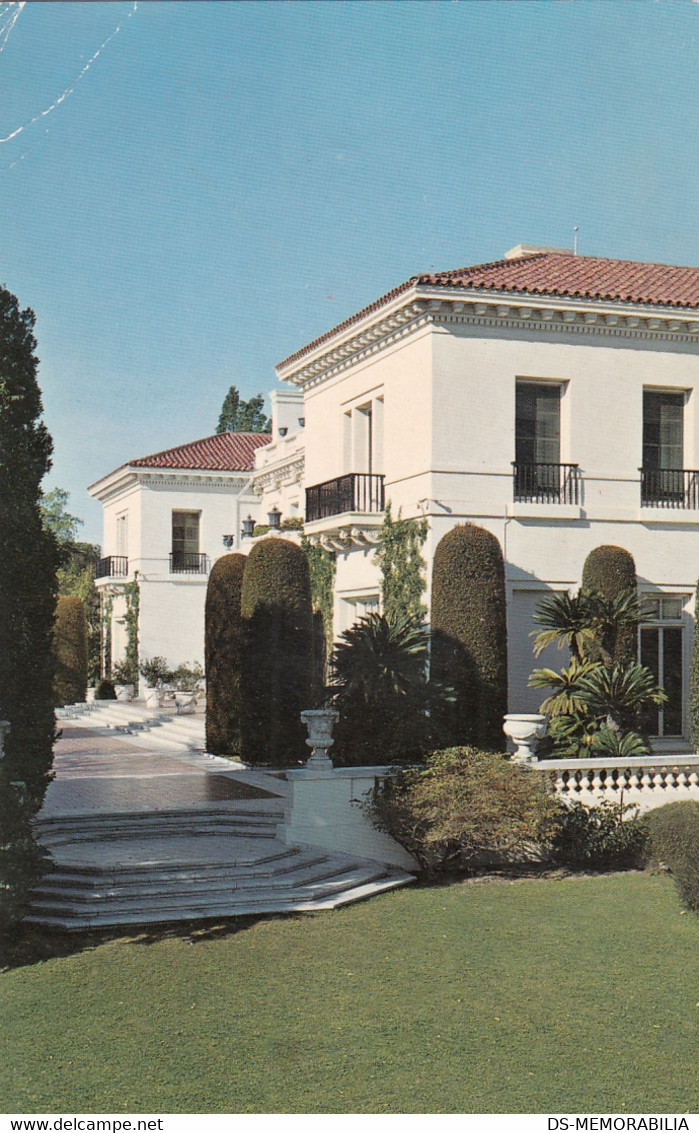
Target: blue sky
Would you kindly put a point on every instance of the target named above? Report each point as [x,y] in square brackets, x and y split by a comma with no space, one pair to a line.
[228,180]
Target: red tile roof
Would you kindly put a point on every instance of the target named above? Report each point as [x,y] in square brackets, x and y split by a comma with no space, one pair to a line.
[587,277]
[551,273]
[224,452]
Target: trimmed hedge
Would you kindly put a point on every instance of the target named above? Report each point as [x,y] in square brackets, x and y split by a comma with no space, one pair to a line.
[277,674]
[674,843]
[223,655]
[27,607]
[694,679]
[611,572]
[469,627]
[70,649]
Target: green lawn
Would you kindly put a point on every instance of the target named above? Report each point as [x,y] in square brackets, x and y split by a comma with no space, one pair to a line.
[571,995]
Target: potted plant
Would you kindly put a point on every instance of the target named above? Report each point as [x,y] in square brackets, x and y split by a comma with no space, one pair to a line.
[187,682]
[124,684]
[155,673]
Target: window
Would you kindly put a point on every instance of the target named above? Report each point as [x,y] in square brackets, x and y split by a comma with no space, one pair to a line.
[662,474]
[185,557]
[537,423]
[539,475]
[122,534]
[663,432]
[661,650]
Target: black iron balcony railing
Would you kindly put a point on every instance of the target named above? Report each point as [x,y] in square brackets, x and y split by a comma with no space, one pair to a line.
[113,566]
[546,483]
[670,487]
[357,491]
[187,562]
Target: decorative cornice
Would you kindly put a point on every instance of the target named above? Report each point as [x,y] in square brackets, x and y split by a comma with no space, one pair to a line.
[550,315]
[284,472]
[127,478]
[344,537]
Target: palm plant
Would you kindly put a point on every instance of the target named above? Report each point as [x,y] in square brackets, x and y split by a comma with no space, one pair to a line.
[381,689]
[618,694]
[567,620]
[595,702]
[566,698]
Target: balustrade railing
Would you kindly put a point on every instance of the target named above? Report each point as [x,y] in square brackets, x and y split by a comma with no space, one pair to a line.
[357,491]
[546,483]
[649,781]
[112,566]
[186,562]
[670,487]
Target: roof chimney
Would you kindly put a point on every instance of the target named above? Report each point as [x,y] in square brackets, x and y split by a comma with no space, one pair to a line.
[521,250]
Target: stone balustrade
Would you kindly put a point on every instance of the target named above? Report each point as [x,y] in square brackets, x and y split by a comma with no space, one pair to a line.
[648,781]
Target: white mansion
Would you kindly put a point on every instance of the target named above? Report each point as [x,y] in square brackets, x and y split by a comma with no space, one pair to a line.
[551,398]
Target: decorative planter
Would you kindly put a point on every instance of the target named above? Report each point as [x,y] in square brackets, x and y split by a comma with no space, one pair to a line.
[525,730]
[153,697]
[320,723]
[124,692]
[90,696]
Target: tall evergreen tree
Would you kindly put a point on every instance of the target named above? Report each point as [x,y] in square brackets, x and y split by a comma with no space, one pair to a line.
[243,416]
[27,602]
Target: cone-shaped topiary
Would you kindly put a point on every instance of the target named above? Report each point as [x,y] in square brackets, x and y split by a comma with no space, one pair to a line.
[27,605]
[223,655]
[694,679]
[276,682]
[611,572]
[70,649]
[469,650]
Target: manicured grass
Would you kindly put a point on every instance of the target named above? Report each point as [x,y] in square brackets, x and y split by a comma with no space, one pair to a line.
[561,996]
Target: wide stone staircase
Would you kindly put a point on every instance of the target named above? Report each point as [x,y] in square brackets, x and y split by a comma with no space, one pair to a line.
[163,730]
[212,860]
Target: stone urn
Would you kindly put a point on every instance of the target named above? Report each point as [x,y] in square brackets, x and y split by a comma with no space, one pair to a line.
[124,692]
[525,729]
[153,696]
[320,723]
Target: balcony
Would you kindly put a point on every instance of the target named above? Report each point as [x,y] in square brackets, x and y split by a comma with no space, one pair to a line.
[187,562]
[670,488]
[546,483]
[113,566]
[355,492]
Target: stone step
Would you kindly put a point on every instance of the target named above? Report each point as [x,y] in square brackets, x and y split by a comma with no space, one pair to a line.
[350,884]
[110,827]
[295,868]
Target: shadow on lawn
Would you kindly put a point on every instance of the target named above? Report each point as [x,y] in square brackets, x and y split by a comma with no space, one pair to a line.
[33,944]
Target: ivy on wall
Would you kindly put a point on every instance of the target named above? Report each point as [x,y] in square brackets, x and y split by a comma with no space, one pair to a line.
[133,600]
[321,564]
[106,617]
[399,557]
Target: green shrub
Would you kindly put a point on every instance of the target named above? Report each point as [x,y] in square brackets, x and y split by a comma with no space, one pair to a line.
[223,655]
[154,672]
[603,836]
[186,677]
[122,672]
[694,680]
[469,650]
[27,605]
[276,677]
[674,843]
[105,691]
[611,572]
[70,649]
[467,809]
